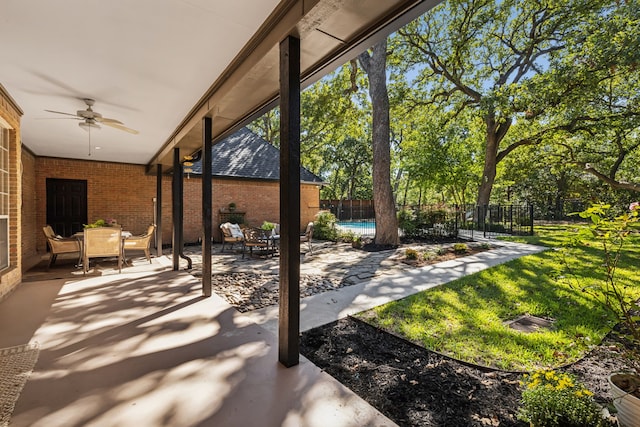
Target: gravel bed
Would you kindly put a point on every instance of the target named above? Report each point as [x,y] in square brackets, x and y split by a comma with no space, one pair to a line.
[252,291]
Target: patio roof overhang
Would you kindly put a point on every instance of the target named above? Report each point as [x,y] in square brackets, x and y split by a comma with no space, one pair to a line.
[331,32]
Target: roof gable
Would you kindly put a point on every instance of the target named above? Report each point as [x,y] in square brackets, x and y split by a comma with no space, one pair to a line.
[246,155]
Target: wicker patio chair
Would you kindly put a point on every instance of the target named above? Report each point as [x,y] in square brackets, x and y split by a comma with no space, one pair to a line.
[59,245]
[140,243]
[307,236]
[102,242]
[231,233]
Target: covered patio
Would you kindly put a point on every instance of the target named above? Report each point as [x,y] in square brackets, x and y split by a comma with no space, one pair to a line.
[175,109]
[145,348]
[184,75]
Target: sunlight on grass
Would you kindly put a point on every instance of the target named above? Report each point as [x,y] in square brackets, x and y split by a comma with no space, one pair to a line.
[465,318]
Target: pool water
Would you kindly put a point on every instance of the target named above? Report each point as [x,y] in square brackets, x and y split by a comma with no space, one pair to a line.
[358,227]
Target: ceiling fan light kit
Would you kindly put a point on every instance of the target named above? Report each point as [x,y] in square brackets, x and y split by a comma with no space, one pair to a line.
[86,125]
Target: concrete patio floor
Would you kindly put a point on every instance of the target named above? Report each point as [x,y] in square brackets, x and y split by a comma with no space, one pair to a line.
[144,348]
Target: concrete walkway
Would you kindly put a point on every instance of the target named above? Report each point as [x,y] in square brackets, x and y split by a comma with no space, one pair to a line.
[329,306]
[143,348]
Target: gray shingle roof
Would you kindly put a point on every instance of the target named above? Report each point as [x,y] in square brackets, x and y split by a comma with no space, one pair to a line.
[246,155]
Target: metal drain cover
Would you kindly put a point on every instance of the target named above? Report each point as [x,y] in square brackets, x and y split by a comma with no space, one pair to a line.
[528,323]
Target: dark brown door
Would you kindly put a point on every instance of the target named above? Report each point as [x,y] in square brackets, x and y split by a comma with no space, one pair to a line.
[66,205]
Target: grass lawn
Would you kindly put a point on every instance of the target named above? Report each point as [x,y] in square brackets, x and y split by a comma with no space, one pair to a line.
[465,318]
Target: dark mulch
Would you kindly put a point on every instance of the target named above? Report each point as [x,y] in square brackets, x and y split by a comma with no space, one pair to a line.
[416,387]
[368,244]
[373,247]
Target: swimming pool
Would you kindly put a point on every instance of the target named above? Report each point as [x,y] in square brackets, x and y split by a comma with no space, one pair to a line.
[362,228]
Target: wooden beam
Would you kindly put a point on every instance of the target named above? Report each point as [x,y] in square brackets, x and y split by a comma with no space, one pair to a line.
[159,211]
[206,205]
[176,203]
[289,319]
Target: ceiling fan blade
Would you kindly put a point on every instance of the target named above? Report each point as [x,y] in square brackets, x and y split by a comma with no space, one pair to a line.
[106,120]
[60,112]
[121,127]
[58,118]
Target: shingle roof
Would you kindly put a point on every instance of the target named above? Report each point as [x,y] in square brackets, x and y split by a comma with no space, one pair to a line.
[246,155]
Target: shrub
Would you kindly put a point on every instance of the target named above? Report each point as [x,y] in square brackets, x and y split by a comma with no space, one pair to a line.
[407,223]
[325,226]
[356,242]
[411,254]
[235,218]
[429,255]
[460,248]
[346,236]
[614,292]
[557,399]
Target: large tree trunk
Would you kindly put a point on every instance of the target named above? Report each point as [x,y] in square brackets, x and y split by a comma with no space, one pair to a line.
[489,172]
[384,207]
[495,133]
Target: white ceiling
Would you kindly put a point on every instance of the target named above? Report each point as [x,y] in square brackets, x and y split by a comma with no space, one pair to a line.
[145,62]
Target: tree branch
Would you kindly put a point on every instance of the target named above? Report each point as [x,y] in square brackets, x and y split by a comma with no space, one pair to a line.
[620,185]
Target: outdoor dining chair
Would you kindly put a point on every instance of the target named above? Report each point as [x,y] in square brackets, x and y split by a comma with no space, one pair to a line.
[307,236]
[140,243]
[102,242]
[59,245]
[255,238]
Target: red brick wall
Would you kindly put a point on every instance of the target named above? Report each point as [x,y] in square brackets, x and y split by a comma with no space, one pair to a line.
[260,200]
[125,192]
[114,190]
[29,217]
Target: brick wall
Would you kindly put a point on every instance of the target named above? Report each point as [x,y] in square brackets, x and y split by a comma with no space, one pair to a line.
[29,217]
[114,190]
[10,114]
[259,200]
[125,192]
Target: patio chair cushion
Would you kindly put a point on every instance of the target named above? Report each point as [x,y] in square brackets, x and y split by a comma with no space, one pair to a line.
[235,230]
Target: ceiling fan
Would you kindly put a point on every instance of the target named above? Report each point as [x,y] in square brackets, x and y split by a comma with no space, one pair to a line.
[92,119]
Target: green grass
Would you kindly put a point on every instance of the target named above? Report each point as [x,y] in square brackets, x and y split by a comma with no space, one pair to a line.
[464,319]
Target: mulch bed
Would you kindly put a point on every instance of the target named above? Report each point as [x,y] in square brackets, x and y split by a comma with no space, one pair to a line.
[445,255]
[417,387]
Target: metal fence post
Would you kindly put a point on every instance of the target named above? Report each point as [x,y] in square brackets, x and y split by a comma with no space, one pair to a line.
[531,219]
[511,219]
[484,222]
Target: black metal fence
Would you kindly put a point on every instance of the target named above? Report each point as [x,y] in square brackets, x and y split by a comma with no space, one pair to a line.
[467,221]
[349,210]
[494,220]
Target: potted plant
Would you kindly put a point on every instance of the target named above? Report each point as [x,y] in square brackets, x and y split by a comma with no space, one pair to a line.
[267,226]
[625,388]
[232,207]
[551,398]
